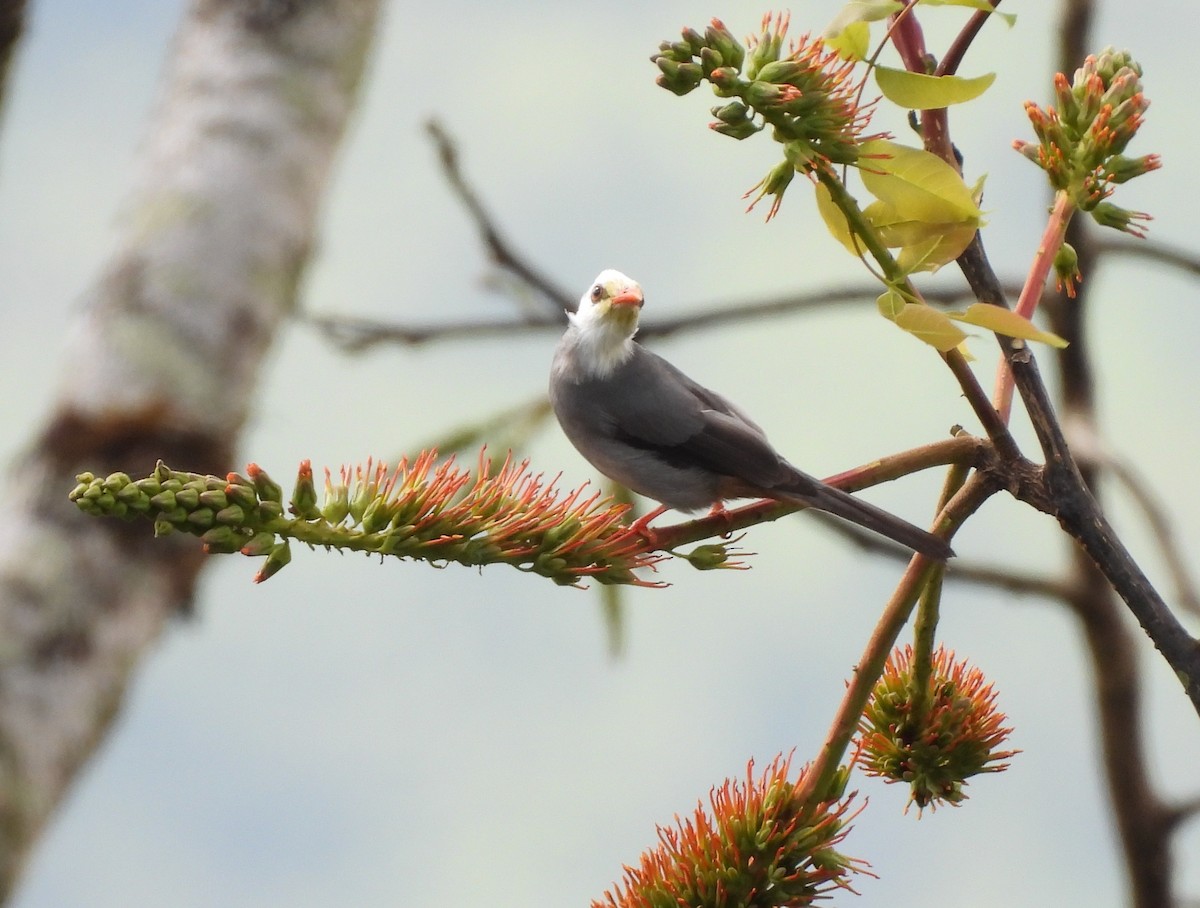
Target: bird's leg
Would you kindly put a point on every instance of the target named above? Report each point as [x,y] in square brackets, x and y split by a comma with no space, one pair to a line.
[641,526]
[719,512]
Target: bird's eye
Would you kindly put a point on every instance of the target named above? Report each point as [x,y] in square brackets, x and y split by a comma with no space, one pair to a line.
[597,293]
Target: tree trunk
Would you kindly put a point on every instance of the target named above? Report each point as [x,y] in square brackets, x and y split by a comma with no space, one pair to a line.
[163,362]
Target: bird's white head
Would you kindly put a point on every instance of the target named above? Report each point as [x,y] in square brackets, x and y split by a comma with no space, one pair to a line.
[607,320]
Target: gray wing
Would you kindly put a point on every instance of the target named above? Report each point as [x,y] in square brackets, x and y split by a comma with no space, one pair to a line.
[656,408]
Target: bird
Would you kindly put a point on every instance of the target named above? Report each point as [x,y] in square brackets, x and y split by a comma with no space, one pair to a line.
[646,425]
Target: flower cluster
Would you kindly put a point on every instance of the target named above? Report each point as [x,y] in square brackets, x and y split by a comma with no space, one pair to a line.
[806,95]
[422,510]
[758,846]
[1081,140]
[934,742]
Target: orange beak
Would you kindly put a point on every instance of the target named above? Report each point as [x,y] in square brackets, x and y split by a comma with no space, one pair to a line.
[630,297]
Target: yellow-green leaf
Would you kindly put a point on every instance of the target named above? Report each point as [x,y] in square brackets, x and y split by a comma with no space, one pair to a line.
[835,221]
[891,302]
[851,43]
[860,11]
[931,326]
[1006,322]
[982,5]
[920,186]
[924,246]
[918,91]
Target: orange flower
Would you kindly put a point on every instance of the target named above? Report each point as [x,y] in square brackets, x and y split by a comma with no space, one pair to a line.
[756,845]
[936,742]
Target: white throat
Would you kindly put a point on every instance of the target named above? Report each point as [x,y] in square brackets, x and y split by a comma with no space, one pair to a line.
[601,345]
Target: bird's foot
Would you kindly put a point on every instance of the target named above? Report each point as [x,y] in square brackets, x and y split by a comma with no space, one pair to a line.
[719,512]
[641,526]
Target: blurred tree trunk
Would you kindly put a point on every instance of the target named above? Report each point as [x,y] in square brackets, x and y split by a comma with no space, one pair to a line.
[162,362]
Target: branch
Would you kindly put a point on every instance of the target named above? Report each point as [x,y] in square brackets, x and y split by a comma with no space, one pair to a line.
[501,252]
[355,334]
[1185,260]
[883,639]
[1164,533]
[964,449]
[1075,508]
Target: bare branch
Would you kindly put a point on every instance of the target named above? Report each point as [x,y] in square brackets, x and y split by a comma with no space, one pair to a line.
[355,334]
[1160,525]
[498,247]
[1183,259]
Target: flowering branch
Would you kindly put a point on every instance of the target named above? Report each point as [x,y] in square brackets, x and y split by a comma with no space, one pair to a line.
[760,844]
[420,510]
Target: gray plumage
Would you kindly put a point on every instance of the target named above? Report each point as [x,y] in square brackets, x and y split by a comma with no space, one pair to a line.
[642,422]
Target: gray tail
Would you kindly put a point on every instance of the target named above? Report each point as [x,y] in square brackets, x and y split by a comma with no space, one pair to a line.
[846,506]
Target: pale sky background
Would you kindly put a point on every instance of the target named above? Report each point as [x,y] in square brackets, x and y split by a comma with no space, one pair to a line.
[356,733]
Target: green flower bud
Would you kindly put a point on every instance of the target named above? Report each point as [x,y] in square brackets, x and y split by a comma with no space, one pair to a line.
[214,498]
[259,544]
[733,112]
[304,495]
[718,36]
[708,557]
[710,60]
[279,558]
[694,40]
[267,488]
[234,516]
[239,491]
[164,500]
[268,510]
[1107,214]
[201,517]
[115,482]
[742,130]
[222,540]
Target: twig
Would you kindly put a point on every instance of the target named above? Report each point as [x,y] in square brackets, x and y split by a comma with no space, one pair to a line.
[891,622]
[502,254]
[1183,259]
[962,42]
[1075,507]
[355,334]
[1164,533]
[1035,284]
[964,449]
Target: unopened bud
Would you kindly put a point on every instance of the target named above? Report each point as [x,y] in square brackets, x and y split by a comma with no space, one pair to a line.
[1066,269]
[1107,214]
[708,557]
[277,560]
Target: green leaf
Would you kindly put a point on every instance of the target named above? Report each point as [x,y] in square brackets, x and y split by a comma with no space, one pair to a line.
[836,223]
[857,11]
[924,246]
[931,326]
[890,303]
[852,43]
[982,5]
[918,91]
[920,186]
[1006,322]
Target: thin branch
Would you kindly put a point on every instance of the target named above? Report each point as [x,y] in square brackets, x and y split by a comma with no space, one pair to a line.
[1183,259]
[963,449]
[1164,533]
[869,667]
[1075,507]
[962,42]
[960,570]
[355,334]
[501,252]
[1184,811]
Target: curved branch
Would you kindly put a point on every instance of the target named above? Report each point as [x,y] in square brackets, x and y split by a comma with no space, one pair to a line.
[355,334]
